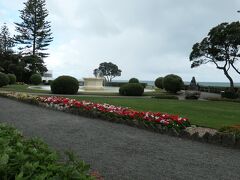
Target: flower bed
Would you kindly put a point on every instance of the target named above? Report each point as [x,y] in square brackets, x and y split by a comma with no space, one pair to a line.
[116,113]
[150,120]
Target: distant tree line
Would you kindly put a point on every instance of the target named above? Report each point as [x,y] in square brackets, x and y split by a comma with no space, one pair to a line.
[23,54]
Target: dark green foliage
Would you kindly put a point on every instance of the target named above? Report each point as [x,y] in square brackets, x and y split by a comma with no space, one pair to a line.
[172,83]
[65,85]
[133,80]
[230,94]
[12,78]
[220,47]
[34,31]
[108,70]
[159,82]
[32,159]
[119,84]
[4,80]
[131,89]
[36,79]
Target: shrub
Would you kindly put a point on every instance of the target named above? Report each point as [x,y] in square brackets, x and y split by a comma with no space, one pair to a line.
[172,83]
[65,85]
[32,159]
[131,89]
[133,80]
[230,94]
[4,80]
[12,78]
[36,79]
[159,82]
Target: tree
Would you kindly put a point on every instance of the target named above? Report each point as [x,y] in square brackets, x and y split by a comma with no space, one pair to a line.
[6,41]
[220,47]
[109,70]
[34,31]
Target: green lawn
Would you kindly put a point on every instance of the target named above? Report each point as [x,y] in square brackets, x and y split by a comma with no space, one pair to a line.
[21,88]
[204,113]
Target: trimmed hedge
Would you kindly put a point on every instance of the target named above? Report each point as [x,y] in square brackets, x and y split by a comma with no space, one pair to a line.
[131,89]
[133,80]
[65,85]
[32,159]
[36,79]
[4,79]
[119,84]
[172,83]
[12,78]
[159,82]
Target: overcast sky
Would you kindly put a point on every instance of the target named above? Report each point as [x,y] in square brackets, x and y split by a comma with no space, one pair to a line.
[145,38]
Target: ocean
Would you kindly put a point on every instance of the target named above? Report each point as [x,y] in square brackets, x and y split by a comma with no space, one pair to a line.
[217,84]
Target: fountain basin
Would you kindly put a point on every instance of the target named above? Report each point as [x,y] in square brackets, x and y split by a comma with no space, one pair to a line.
[105,89]
[93,83]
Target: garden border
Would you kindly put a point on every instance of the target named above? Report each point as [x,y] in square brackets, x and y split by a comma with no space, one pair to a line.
[194,133]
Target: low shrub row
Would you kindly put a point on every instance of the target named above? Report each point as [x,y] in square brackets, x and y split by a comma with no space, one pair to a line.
[28,159]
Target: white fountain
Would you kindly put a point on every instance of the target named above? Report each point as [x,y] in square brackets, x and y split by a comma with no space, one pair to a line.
[94,83]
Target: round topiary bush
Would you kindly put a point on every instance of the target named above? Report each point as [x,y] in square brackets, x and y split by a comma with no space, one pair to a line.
[4,80]
[36,79]
[133,80]
[12,78]
[131,89]
[159,82]
[172,83]
[65,85]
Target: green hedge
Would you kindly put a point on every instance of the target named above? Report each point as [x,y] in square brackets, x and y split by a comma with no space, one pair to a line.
[32,159]
[133,80]
[12,78]
[159,82]
[119,84]
[172,83]
[4,80]
[36,79]
[131,89]
[65,85]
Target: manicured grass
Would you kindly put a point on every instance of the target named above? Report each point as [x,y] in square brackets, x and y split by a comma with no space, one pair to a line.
[204,113]
[21,88]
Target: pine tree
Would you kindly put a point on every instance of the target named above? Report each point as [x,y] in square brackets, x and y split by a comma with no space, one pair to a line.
[34,31]
[6,41]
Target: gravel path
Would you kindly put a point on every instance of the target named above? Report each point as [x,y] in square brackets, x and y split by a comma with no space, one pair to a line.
[121,152]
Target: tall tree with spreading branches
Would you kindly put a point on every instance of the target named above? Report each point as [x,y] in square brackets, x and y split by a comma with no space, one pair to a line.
[34,30]
[108,70]
[221,48]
